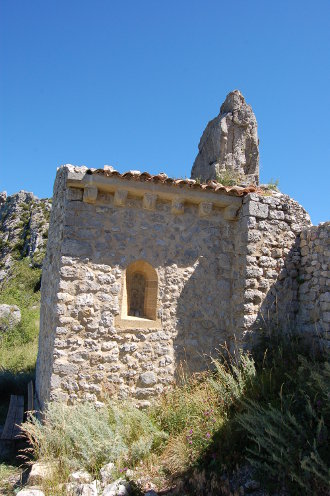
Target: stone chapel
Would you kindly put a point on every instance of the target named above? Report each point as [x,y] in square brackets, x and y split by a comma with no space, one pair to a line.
[145,273]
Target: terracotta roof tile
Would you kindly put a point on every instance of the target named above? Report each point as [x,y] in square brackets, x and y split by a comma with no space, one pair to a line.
[182,183]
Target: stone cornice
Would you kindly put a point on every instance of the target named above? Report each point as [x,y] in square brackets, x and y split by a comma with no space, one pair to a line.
[151,192]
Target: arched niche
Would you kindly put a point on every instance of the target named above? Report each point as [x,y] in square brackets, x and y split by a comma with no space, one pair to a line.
[139,296]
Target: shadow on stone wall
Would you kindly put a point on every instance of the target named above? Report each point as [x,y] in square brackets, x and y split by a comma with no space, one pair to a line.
[278,311]
[203,319]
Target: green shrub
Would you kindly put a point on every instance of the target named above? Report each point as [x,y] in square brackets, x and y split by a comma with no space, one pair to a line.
[273,184]
[195,411]
[290,440]
[229,178]
[270,409]
[18,346]
[233,376]
[86,436]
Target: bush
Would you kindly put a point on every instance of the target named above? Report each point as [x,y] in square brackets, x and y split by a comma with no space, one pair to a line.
[86,436]
[229,178]
[18,346]
[195,411]
[290,440]
[270,409]
[273,184]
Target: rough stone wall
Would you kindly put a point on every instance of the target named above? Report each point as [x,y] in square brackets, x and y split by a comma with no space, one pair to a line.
[218,280]
[50,316]
[314,283]
[85,353]
[269,263]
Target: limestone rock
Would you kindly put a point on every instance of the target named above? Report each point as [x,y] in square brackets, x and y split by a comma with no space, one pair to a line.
[80,477]
[82,489]
[118,488]
[148,379]
[23,228]
[30,492]
[3,197]
[10,315]
[39,472]
[106,473]
[230,144]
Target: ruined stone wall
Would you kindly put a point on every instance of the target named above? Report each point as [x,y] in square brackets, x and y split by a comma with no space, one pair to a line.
[50,316]
[314,283]
[96,351]
[269,262]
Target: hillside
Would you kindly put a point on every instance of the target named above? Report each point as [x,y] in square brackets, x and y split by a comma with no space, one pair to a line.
[24,222]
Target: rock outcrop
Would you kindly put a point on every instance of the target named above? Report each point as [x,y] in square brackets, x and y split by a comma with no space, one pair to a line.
[229,145]
[10,315]
[24,222]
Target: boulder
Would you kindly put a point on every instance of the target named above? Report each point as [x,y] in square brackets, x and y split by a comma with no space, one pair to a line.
[82,489]
[118,488]
[10,315]
[39,472]
[106,474]
[80,477]
[229,145]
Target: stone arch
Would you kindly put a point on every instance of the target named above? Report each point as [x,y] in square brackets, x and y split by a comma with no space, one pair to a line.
[141,290]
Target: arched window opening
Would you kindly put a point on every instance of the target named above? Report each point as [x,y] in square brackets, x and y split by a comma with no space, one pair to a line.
[141,290]
[136,295]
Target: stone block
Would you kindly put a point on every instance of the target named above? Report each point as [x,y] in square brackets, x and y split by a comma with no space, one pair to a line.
[148,379]
[75,194]
[120,198]
[205,209]
[326,316]
[177,206]
[276,252]
[255,209]
[149,201]
[253,272]
[65,369]
[253,295]
[76,248]
[325,297]
[276,214]
[90,194]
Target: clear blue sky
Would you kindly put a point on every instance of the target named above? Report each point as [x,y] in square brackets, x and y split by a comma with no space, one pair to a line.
[134,83]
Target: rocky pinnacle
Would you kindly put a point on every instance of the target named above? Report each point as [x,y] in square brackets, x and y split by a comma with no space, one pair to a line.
[229,144]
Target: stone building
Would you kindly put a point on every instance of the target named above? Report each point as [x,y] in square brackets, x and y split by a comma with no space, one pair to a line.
[144,273]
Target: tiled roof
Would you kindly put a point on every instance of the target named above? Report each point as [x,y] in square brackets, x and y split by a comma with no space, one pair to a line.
[212,186]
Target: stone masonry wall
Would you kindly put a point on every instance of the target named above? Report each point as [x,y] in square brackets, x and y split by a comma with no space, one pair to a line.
[270,258]
[92,355]
[314,283]
[49,315]
[219,280]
